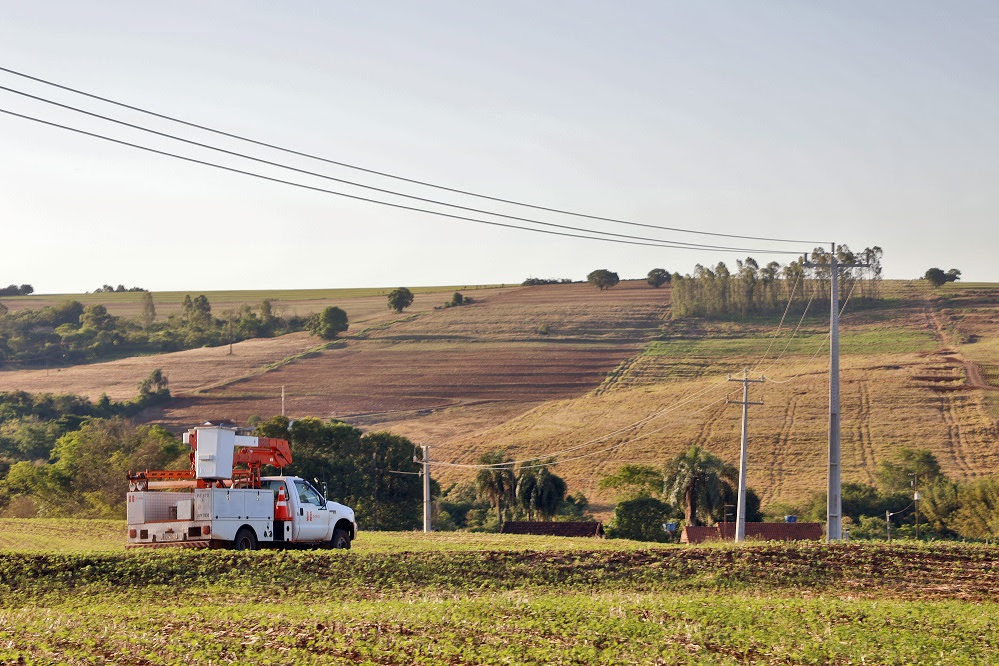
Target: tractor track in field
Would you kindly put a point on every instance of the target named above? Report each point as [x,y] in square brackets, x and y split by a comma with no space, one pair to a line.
[972,371]
[865,443]
[783,439]
[707,431]
[955,435]
[949,406]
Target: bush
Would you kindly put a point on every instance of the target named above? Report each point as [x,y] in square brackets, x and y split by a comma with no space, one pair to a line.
[642,519]
[328,323]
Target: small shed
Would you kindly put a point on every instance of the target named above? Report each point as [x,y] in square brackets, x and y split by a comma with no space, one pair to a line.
[754,532]
[568,529]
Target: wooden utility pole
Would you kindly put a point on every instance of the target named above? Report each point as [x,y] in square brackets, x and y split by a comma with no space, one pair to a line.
[740,510]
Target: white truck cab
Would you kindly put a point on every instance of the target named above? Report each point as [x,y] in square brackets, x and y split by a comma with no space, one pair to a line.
[312,517]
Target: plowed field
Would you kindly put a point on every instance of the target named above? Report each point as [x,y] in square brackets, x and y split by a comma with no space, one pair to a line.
[499,356]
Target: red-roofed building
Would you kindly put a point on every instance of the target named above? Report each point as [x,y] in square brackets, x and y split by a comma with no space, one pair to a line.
[569,529]
[754,532]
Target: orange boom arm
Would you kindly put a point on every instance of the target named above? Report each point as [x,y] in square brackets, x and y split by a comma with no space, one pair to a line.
[268,451]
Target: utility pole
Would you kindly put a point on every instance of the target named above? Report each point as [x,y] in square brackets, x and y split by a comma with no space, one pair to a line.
[282,399]
[915,499]
[834,502]
[740,511]
[374,476]
[426,487]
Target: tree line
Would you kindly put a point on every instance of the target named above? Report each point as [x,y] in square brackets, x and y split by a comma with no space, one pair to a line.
[15,290]
[70,332]
[696,487]
[64,456]
[755,289]
[32,425]
[947,509]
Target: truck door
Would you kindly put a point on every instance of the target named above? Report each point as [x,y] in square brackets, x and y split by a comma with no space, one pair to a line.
[311,516]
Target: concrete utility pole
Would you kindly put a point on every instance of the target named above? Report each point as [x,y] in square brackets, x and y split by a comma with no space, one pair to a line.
[426,489]
[282,400]
[427,506]
[740,511]
[834,503]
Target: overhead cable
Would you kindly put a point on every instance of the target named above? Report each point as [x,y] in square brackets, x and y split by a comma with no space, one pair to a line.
[383,190]
[391,175]
[339,194]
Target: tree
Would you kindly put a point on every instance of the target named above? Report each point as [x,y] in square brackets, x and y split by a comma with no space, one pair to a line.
[634,481]
[148,310]
[641,519]
[328,323]
[400,299]
[935,276]
[657,277]
[977,515]
[550,494]
[695,479]
[96,317]
[26,289]
[156,383]
[905,468]
[496,483]
[87,465]
[602,279]
[526,491]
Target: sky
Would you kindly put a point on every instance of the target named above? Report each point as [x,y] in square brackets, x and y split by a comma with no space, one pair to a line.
[865,123]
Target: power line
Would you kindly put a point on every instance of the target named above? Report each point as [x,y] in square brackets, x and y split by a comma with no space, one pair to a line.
[790,298]
[360,198]
[328,191]
[818,349]
[394,176]
[379,189]
[551,454]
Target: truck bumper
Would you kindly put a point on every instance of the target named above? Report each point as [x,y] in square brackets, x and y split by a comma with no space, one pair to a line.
[205,543]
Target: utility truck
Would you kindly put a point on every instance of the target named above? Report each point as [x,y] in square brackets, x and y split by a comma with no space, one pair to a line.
[222,501]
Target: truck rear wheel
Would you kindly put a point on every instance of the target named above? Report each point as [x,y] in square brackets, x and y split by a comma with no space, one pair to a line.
[245,539]
[340,539]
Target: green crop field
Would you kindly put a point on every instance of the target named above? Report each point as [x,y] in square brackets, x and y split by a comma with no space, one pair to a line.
[866,341]
[404,598]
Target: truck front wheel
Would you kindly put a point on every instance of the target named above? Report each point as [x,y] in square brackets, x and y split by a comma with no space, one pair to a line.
[245,539]
[340,539]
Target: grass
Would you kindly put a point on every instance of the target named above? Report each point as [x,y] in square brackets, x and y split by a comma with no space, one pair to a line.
[867,341]
[408,598]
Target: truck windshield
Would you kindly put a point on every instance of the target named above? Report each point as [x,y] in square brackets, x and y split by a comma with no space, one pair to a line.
[308,494]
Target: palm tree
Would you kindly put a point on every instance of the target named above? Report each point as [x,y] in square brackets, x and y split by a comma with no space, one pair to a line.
[696,479]
[551,493]
[540,491]
[527,491]
[496,482]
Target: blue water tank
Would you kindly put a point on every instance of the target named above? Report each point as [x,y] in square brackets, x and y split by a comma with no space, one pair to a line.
[790,519]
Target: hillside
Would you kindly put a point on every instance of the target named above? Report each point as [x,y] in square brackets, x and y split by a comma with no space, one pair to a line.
[554,369]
